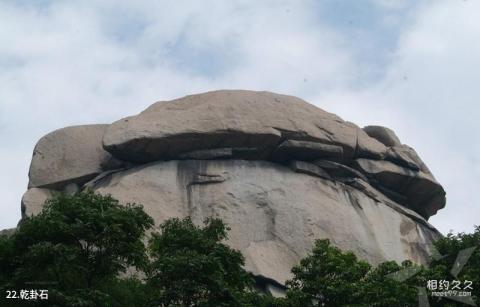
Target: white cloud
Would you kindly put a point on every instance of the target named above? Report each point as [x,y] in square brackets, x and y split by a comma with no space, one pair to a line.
[430,98]
[72,63]
[439,56]
[391,4]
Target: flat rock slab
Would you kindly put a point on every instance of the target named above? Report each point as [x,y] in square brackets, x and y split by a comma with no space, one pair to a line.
[338,170]
[406,156]
[309,169]
[305,150]
[221,153]
[230,119]
[69,155]
[208,154]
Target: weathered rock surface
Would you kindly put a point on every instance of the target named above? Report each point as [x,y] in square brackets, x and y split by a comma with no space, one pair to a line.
[33,200]
[419,190]
[384,135]
[275,214]
[406,156]
[305,150]
[368,147]
[73,154]
[338,170]
[221,153]
[220,119]
[281,172]
[309,169]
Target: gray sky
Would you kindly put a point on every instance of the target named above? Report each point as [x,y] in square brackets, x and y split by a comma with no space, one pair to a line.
[409,65]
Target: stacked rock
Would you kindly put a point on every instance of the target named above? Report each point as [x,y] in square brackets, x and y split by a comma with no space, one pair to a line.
[278,170]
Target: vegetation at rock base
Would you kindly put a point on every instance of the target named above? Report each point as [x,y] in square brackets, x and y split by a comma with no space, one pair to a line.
[460,255]
[330,277]
[192,267]
[76,247]
[81,248]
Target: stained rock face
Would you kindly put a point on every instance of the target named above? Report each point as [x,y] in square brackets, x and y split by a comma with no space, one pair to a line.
[279,171]
[275,214]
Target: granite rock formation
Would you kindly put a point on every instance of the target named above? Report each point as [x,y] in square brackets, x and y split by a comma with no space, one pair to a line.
[278,170]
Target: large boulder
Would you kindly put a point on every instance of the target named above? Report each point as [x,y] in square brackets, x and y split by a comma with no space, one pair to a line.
[368,147]
[33,201]
[69,155]
[274,213]
[230,119]
[280,171]
[416,189]
[384,135]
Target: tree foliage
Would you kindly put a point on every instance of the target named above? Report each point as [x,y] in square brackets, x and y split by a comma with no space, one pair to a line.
[330,277]
[192,267]
[88,250]
[459,254]
[82,247]
[76,247]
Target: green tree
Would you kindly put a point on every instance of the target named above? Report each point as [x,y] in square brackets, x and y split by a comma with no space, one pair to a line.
[192,267]
[76,248]
[330,277]
[390,284]
[461,256]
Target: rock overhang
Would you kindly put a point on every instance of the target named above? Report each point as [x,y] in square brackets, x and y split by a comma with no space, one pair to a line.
[238,124]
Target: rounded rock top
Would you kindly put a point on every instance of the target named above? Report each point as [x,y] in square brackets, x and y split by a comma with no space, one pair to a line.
[241,125]
[255,121]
